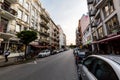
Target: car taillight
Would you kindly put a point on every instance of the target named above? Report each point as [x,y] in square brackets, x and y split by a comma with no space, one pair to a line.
[77,57]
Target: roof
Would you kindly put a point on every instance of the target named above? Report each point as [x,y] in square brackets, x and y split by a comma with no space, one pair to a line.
[115,58]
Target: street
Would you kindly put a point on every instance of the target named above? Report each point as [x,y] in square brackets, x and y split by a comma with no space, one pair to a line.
[56,67]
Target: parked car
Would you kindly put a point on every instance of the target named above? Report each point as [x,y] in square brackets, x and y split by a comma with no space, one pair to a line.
[53,52]
[79,56]
[75,51]
[44,53]
[100,67]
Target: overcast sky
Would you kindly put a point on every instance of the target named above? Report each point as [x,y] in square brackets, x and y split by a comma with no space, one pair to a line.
[66,13]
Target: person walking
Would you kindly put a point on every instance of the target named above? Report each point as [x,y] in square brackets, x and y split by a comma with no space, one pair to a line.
[6,54]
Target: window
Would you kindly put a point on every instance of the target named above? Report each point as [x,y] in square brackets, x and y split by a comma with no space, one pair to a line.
[109,8]
[94,36]
[100,32]
[113,25]
[18,28]
[21,2]
[89,63]
[20,14]
[103,71]
[100,69]
[33,12]
[26,18]
[27,5]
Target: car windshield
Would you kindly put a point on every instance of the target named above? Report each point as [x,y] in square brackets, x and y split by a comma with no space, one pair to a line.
[81,53]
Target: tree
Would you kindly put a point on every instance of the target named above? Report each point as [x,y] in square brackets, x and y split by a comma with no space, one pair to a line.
[26,37]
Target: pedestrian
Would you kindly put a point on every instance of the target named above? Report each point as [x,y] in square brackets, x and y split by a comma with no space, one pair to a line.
[6,54]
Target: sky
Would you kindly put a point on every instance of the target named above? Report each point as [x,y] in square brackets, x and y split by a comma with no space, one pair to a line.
[66,13]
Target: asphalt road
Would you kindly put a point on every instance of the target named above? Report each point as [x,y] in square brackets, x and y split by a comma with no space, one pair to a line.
[56,67]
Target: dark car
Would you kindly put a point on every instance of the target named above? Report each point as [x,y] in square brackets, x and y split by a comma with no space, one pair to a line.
[100,67]
[79,56]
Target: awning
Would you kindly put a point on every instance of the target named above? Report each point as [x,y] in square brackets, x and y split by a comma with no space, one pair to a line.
[107,39]
[38,46]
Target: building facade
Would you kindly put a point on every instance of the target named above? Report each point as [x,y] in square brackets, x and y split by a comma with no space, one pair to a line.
[19,15]
[62,38]
[105,25]
[83,32]
[54,35]
[78,35]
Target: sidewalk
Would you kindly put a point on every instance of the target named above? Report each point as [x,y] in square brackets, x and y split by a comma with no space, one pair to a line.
[11,59]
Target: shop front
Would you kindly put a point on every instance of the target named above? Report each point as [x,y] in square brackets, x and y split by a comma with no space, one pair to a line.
[109,45]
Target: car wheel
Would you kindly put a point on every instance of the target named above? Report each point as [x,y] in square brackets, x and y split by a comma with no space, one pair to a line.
[80,78]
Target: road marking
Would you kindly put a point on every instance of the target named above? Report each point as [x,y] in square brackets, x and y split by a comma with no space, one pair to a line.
[34,62]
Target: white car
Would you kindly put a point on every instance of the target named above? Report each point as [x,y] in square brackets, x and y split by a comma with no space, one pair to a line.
[100,67]
[44,53]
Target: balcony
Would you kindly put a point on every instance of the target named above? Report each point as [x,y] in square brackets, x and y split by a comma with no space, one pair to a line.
[44,41]
[97,15]
[89,1]
[7,12]
[43,24]
[12,1]
[44,17]
[114,30]
[92,12]
[44,33]
[99,3]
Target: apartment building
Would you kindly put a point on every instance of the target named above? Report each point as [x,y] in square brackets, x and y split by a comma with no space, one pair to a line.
[54,35]
[83,32]
[8,16]
[62,38]
[78,35]
[105,20]
[19,15]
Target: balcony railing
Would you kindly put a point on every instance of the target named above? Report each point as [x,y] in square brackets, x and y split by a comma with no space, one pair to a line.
[44,17]
[10,10]
[43,24]
[44,33]
[92,12]
[99,3]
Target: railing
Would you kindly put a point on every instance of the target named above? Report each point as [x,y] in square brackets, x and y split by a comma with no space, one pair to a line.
[10,10]
[43,24]
[92,12]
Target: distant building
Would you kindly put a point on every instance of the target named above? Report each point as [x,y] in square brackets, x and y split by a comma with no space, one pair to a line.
[62,38]
[78,35]
[83,36]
